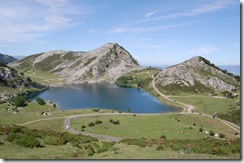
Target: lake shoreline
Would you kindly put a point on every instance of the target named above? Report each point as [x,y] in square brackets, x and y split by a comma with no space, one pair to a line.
[105,96]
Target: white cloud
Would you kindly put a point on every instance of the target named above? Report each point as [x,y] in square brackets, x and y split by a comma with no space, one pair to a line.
[93,30]
[148,29]
[28,21]
[203,50]
[203,9]
[149,14]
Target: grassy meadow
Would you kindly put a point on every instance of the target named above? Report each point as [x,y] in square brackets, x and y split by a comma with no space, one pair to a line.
[173,126]
[208,105]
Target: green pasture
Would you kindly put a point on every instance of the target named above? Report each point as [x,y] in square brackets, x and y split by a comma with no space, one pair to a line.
[208,105]
[173,126]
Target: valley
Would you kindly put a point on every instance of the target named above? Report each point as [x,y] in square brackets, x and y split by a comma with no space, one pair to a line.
[200,93]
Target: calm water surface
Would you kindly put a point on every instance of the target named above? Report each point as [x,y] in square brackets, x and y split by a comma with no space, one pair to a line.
[83,96]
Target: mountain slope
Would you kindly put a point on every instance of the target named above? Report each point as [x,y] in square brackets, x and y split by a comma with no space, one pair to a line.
[104,64]
[194,75]
[4,58]
[13,84]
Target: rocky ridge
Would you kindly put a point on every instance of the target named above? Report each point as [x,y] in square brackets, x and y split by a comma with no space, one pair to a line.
[195,72]
[12,83]
[104,64]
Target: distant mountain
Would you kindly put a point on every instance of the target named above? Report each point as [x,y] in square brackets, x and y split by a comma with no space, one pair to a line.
[195,75]
[104,64]
[19,57]
[4,58]
[235,69]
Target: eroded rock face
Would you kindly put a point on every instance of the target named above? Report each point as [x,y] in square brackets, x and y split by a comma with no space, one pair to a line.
[104,64]
[195,70]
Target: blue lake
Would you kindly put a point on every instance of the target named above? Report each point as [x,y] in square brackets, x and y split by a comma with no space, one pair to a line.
[109,96]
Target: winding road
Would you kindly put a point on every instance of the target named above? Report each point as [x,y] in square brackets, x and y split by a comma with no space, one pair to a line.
[187,110]
[190,107]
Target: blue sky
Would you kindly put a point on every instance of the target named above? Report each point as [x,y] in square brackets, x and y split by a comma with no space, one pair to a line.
[155,32]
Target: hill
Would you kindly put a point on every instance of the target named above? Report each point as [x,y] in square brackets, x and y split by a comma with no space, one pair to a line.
[4,58]
[196,75]
[104,64]
[13,84]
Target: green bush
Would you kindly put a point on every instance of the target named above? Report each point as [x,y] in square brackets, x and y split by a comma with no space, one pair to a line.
[91,124]
[221,135]
[163,137]
[98,122]
[201,129]
[211,133]
[19,101]
[160,147]
[83,126]
[40,101]
[50,140]
[23,140]
[117,122]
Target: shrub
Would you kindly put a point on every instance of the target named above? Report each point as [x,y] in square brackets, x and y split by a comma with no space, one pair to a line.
[83,126]
[211,133]
[111,120]
[221,135]
[98,122]
[194,124]
[50,140]
[117,122]
[201,129]
[163,137]
[91,124]
[40,101]
[20,101]
[21,73]
[23,140]
[160,147]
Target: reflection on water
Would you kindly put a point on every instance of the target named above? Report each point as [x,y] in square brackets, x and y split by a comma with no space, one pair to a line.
[82,96]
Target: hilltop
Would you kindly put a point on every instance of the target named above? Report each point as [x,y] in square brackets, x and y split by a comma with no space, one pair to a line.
[195,75]
[104,64]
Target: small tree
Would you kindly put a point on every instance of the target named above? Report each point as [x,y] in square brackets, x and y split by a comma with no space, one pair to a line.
[20,101]
[201,129]
[211,133]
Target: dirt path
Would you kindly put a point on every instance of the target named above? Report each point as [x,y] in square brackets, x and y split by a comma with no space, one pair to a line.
[188,108]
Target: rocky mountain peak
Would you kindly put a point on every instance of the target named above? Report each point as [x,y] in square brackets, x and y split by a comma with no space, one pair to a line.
[104,64]
[194,74]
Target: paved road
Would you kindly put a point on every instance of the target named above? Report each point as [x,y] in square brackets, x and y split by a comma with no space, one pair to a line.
[68,119]
[188,109]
